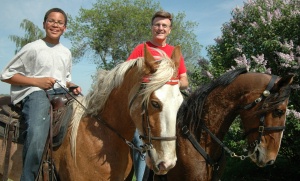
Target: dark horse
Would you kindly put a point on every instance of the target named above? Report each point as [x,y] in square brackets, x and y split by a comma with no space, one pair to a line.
[204,118]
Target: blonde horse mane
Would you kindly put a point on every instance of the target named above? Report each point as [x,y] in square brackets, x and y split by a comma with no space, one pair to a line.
[108,80]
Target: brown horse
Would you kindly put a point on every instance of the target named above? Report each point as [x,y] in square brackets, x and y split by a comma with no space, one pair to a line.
[204,118]
[141,93]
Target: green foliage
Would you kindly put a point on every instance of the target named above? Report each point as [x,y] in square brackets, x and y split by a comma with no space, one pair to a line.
[248,171]
[199,73]
[112,28]
[290,147]
[32,33]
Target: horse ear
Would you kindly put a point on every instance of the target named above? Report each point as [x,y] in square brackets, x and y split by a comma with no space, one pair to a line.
[284,81]
[176,55]
[151,64]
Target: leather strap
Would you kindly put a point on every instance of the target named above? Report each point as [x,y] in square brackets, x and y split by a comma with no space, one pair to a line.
[11,130]
[197,146]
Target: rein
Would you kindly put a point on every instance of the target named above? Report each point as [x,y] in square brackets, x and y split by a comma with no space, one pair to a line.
[130,144]
[255,144]
[145,147]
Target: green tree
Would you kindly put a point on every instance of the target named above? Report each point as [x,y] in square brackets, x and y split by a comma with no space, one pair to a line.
[112,28]
[32,32]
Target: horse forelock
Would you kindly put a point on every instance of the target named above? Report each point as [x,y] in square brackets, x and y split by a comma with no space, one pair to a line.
[191,109]
[163,74]
[274,100]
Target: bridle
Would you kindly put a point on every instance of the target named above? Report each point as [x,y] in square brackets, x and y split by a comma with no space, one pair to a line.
[147,132]
[145,118]
[261,129]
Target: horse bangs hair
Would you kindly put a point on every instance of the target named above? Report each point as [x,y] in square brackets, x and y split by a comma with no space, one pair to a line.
[165,71]
[274,100]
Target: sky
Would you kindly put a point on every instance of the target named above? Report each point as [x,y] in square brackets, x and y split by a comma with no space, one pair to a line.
[209,14]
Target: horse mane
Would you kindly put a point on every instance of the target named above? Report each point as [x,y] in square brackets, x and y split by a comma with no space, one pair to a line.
[190,111]
[108,80]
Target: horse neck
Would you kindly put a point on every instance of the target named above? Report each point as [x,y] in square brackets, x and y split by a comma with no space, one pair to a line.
[116,109]
[218,113]
[220,110]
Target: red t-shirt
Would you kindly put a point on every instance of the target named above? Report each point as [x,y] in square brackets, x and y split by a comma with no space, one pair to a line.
[138,51]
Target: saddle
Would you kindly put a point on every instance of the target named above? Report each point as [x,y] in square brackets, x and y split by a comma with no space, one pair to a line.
[12,124]
[11,118]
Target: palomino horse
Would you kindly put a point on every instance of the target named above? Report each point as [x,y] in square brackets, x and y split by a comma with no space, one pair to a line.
[204,118]
[142,93]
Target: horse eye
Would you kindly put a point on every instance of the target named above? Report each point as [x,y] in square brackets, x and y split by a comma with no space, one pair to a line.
[155,104]
[278,113]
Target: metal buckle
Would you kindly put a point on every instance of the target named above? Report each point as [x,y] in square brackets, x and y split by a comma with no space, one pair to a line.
[261,129]
[258,100]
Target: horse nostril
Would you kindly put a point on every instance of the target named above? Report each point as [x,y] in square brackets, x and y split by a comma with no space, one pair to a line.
[162,166]
[271,162]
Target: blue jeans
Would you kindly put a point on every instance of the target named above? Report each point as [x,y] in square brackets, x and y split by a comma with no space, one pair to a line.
[138,160]
[36,115]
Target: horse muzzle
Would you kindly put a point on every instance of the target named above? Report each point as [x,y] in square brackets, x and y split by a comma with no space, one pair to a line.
[160,166]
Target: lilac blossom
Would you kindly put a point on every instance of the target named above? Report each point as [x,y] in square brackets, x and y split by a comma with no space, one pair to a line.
[294,113]
[239,48]
[254,25]
[242,62]
[288,59]
[263,20]
[295,13]
[208,74]
[260,60]
[298,49]
[289,46]
[270,17]
[277,14]
[218,40]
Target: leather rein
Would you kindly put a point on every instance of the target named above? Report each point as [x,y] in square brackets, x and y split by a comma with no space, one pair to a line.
[261,129]
[147,132]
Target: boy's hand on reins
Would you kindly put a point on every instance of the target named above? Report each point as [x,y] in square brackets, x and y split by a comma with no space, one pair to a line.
[45,82]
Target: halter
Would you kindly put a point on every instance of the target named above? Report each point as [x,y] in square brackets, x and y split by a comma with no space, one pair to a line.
[145,119]
[255,144]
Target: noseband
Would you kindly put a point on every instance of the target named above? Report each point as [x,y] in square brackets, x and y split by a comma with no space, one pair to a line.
[145,118]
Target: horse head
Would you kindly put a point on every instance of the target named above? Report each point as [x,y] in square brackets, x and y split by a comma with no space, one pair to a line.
[264,117]
[154,108]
